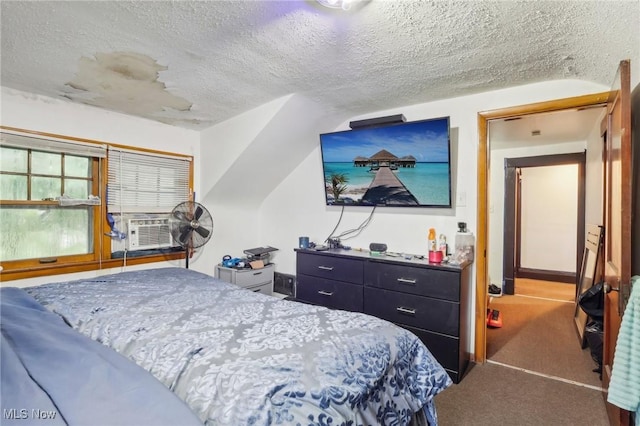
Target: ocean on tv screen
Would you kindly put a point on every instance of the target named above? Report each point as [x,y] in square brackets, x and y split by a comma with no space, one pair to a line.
[427,182]
[404,164]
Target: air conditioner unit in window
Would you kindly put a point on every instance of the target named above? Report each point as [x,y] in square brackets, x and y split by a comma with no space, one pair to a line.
[146,234]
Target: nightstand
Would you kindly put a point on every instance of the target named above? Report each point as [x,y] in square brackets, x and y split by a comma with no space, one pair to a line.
[257,280]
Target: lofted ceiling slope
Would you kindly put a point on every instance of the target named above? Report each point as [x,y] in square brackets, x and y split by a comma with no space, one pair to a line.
[197,63]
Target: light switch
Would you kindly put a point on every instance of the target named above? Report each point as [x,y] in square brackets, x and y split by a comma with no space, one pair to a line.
[461,200]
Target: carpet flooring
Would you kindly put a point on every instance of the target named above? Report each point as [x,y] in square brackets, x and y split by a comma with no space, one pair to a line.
[536,372]
[491,395]
[539,332]
[540,335]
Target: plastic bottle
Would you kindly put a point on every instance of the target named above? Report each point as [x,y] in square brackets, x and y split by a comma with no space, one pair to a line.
[432,244]
[465,243]
[442,245]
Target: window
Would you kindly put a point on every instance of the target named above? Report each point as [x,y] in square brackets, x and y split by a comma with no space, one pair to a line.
[143,188]
[52,215]
[146,182]
[34,174]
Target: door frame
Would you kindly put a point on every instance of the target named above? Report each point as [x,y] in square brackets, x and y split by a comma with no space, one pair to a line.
[480,343]
[617,257]
[512,224]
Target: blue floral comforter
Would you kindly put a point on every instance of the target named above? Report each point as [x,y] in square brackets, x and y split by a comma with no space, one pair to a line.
[243,358]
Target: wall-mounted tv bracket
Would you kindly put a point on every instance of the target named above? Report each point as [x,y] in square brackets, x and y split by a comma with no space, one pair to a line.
[375,122]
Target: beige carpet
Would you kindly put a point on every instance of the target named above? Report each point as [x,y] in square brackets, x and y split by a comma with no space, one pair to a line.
[539,334]
[493,395]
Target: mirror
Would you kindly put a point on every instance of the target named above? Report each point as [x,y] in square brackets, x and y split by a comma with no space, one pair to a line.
[587,276]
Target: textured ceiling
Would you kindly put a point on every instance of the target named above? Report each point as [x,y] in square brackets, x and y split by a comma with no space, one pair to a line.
[197,63]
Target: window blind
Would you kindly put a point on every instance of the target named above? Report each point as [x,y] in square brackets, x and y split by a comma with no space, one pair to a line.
[141,182]
[53,145]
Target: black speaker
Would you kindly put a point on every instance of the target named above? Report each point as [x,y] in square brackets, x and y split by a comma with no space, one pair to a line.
[376,122]
[284,284]
[379,247]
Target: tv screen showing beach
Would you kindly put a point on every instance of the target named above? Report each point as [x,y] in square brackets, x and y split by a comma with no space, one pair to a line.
[400,165]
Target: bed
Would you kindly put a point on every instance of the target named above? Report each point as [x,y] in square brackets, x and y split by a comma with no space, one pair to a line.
[54,375]
[236,357]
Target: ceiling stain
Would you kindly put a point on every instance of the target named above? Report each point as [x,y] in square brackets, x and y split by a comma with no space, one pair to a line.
[127,82]
[229,57]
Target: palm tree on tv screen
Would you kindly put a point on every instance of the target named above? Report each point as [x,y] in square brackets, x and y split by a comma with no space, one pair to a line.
[338,185]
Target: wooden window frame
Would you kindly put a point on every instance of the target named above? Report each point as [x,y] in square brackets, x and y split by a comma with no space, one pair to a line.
[100,258]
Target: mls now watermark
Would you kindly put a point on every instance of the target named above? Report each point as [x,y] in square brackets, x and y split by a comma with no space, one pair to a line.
[24,414]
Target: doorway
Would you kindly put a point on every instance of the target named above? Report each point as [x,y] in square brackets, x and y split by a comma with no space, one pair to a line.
[542,229]
[548,192]
[483,196]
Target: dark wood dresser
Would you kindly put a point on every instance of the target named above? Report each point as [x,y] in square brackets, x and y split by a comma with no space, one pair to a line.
[430,300]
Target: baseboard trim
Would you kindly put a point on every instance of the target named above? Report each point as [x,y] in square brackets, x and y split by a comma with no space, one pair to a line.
[545,275]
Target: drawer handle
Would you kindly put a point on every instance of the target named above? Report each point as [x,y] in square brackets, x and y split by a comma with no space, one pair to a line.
[326,268]
[407,311]
[257,291]
[257,273]
[325,293]
[406,281]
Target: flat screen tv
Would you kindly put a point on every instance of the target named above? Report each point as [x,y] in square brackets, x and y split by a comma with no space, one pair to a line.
[398,165]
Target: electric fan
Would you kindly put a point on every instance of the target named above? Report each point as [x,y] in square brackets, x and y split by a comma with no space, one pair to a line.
[191,226]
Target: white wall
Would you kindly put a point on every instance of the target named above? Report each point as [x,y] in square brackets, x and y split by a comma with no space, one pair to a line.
[549,216]
[31,112]
[44,114]
[296,207]
[244,159]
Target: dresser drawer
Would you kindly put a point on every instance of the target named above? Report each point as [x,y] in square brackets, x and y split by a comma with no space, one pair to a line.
[440,316]
[262,288]
[444,348]
[252,277]
[329,293]
[335,268]
[415,280]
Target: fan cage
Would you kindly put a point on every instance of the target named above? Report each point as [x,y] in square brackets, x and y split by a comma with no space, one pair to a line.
[191,224]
